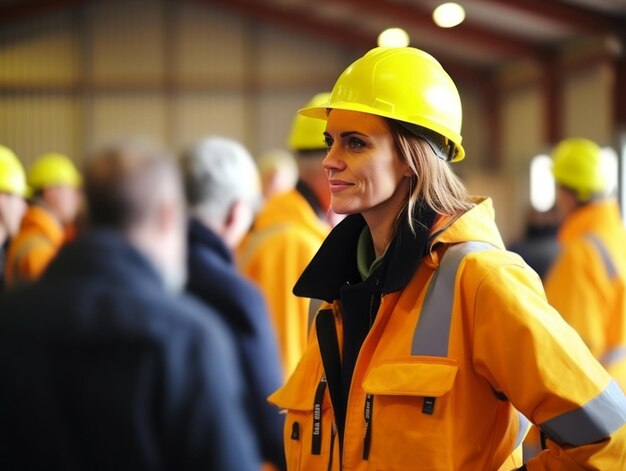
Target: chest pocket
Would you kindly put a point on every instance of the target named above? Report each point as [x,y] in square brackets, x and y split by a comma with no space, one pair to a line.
[412,407]
[308,433]
[411,404]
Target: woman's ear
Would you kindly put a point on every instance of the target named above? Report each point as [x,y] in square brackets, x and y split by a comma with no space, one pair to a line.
[408,172]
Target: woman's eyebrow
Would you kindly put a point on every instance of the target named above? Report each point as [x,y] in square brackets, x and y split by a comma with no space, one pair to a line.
[349,133]
[346,133]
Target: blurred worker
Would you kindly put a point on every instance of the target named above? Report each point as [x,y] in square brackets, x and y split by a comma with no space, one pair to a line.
[539,247]
[587,283]
[287,233]
[433,336]
[278,170]
[104,364]
[222,187]
[55,184]
[12,203]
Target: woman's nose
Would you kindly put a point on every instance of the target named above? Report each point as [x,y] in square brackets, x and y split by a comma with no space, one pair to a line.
[332,160]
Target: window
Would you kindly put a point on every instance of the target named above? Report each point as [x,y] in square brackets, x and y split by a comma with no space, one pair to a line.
[542,190]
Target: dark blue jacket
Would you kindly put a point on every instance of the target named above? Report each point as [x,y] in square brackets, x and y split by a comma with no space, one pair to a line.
[101,368]
[214,279]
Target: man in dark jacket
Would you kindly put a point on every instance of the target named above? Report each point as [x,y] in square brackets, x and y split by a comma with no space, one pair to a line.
[103,364]
[222,186]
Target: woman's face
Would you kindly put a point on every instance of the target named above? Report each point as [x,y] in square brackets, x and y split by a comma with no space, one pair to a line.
[364,172]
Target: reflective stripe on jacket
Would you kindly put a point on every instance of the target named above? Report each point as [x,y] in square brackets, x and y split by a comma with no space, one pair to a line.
[39,239]
[587,283]
[285,237]
[449,360]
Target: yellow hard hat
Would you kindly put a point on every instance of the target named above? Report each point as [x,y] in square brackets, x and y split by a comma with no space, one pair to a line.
[577,164]
[53,170]
[12,175]
[308,133]
[407,85]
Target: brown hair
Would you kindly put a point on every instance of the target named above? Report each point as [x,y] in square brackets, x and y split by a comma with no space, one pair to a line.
[433,184]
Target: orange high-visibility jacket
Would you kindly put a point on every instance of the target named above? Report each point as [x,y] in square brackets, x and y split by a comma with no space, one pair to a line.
[449,361]
[587,283]
[37,242]
[286,235]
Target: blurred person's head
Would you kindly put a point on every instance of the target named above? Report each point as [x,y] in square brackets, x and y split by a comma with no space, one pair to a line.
[55,183]
[278,170]
[222,186]
[12,193]
[580,174]
[306,140]
[136,191]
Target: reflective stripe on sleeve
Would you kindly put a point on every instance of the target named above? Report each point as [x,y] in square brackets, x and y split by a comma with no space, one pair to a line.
[590,423]
[432,332]
[609,266]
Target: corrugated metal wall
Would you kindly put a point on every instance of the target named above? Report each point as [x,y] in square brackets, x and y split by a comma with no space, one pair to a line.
[169,71]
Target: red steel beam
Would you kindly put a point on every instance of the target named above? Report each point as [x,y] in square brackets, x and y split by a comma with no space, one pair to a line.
[298,22]
[619,88]
[331,31]
[403,14]
[580,18]
[551,87]
[492,101]
[23,11]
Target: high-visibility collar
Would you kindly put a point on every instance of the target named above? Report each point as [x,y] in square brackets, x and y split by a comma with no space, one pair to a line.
[336,261]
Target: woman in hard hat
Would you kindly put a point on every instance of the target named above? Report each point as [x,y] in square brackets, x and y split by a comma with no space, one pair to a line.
[12,203]
[433,336]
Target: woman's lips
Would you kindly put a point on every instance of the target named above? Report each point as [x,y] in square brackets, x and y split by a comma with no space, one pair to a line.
[338,185]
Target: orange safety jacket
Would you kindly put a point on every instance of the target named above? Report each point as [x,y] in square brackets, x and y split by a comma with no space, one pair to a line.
[37,242]
[587,283]
[286,235]
[452,356]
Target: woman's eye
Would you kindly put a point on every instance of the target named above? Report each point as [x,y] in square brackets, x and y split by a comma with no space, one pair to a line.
[356,144]
[329,143]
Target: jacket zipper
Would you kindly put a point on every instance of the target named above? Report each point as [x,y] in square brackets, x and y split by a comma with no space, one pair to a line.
[333,434]
[367,414]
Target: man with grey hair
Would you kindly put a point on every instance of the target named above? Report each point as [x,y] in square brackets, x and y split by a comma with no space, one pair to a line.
[223,191]
[103,365]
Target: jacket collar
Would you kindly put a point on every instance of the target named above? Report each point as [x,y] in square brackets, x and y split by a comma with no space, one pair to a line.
[38,217]
[200,235]
[590,217]
[335,264]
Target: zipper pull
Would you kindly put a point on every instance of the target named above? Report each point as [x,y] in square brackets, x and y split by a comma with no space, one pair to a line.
[316,440]
[367,414]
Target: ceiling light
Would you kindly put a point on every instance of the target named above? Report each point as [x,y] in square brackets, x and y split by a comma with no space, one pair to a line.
[448,15]
[394,37]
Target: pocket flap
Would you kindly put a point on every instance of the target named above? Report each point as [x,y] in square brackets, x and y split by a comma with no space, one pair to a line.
[424,376]
[298,393]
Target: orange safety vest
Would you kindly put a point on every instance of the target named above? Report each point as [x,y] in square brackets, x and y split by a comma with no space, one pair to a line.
[286,235]
[587,283]
[449,361]
[35,245]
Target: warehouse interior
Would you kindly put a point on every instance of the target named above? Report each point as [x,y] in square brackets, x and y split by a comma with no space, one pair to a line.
[77,73]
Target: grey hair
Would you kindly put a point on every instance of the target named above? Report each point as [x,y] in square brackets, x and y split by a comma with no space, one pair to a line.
[218,171]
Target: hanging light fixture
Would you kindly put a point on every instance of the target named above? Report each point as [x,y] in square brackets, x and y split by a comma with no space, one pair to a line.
[394,37]
[448,15]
